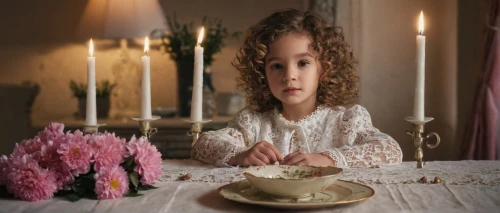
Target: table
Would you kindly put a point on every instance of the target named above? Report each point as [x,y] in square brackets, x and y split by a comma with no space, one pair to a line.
[470,186]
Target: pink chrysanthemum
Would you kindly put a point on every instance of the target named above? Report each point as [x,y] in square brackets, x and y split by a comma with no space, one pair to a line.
[111,182]
[147,159]
[28,181]
[108,150]
[50,159]
[51,132]
[4,169]
[76,154]
[30,146]
[63,176]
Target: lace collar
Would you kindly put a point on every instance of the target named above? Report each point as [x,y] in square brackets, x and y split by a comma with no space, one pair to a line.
[302,120]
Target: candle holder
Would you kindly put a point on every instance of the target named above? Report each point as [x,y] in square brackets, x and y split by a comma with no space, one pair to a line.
[145,126]
[418,138]
[196,129]
[91,129]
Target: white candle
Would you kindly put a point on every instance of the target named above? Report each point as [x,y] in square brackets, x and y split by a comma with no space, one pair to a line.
[145,84]
[91,113]
[419,98]
[196,101]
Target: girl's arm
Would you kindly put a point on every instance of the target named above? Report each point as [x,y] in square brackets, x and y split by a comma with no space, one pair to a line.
[217,147]
[363,145]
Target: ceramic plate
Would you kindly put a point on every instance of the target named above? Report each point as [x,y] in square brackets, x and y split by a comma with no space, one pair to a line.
[339,193]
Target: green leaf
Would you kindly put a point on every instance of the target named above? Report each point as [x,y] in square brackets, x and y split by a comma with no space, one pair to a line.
[103,89]
[133,195]
[129,163]
[134,178]
[73,197]
[88,184]
[79,190]
[146,187]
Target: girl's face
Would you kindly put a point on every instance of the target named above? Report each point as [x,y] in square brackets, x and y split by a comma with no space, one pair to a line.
[292,70]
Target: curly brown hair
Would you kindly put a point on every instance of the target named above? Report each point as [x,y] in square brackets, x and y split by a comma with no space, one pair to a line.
[338,84]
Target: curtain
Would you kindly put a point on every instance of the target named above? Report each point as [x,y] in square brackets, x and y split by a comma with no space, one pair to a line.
[480,141]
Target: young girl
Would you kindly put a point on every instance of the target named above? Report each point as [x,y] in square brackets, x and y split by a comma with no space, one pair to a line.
[297,72]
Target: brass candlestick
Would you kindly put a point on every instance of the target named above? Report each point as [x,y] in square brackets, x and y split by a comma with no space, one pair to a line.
[196,129]
[418,139]
[91,129]
[145,126]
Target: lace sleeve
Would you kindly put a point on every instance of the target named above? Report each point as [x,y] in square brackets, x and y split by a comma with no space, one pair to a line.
[217,147]
[363,144]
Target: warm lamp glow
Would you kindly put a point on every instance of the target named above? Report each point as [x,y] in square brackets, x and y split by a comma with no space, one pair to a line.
[421,23]
[146,46]
[117,19]
[91,48]
[200,36]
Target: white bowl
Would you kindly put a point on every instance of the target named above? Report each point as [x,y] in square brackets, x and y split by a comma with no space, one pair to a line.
[292,181]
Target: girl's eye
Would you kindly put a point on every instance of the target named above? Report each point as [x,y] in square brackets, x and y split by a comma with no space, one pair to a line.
[276,66]
[303,63]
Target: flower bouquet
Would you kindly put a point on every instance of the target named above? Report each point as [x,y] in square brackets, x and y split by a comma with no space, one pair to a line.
[78,165]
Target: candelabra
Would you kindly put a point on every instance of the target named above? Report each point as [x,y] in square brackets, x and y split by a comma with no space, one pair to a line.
[196,128]
[145,126]
[91,129]
[418,138]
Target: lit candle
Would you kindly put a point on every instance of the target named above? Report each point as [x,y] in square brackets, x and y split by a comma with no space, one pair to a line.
[145,84]
[196,102]
[418,104]
[91,113]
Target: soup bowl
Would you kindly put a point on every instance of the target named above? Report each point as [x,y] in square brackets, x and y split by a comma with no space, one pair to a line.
[292,181]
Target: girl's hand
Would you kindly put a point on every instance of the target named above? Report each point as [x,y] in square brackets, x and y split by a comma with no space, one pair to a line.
[261,154]
[310,159]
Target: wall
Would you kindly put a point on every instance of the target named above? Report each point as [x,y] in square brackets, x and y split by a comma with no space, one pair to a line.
[386,41]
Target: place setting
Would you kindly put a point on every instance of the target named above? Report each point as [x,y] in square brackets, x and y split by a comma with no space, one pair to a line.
[295,187]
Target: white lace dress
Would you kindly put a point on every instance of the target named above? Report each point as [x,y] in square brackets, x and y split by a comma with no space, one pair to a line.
[345,135]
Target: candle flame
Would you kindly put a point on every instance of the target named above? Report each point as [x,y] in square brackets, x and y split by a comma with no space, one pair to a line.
[91,48]
[421,23]
[200,36]
[146,46]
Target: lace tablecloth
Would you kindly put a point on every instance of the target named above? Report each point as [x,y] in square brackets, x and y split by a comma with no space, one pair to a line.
[468,186]
[451,172]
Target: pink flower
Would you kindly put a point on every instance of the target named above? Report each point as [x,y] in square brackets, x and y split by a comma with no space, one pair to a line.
[55,127]
[50,159]
[63,176]
[52,131]
[147,158]
[4,169]
[28,181]
[111,182]
[108,150]
[76,154]
[30,146]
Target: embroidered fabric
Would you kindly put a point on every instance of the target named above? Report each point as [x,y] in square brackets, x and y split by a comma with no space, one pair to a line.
[345,135]
[450,172]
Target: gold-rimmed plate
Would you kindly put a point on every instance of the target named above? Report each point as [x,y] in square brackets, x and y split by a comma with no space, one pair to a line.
[341,192]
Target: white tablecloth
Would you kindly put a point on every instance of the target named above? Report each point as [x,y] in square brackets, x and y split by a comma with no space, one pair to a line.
[469,186]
